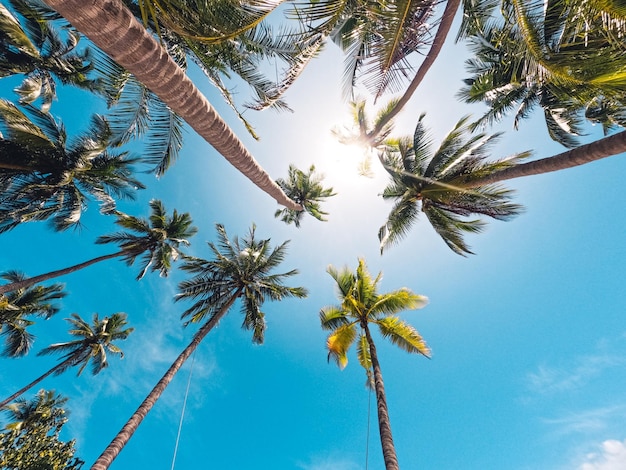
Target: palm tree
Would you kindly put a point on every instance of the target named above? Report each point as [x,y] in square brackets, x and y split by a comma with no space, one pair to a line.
[112,27]
[157,242]
[91,347]
[566,58]
[42,176]
[457,181]
[349,323]
[307,190]
[430,181]
[16,306]
[34,48]
[240,270]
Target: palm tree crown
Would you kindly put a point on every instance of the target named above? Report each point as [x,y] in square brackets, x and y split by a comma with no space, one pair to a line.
[34,48]
[307,190]
[157,238]
[43,176]
[240,269]
[439,184]
[360,305]
[91,347]
[92,344]
[564,57]
[17,305]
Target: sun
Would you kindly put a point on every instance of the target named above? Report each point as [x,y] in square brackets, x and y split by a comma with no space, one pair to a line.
[347,164]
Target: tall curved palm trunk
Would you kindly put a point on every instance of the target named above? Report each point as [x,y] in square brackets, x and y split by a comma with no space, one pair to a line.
[54,274]
[603,148]
[384,424]
[114,29]
[123,436]
[26,388]
[440,37]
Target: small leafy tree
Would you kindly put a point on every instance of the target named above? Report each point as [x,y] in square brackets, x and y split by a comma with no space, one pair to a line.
[31,439]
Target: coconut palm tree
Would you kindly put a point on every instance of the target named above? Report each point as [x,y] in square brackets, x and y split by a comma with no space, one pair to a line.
[429,181]
[156,240]
[566,58]
[457,181]
[42,176]
[91,347]
[112,27]
[349,323]
[307,190]
[241,269]
[17,306]
[34,48]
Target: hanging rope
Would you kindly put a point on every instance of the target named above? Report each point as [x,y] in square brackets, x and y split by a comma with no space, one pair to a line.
[182,414]
[369,412]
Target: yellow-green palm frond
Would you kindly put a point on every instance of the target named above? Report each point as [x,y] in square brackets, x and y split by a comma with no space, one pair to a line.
[208,22]
[397,301]
[344,278]
[339,342]
[332,318]
[403,335]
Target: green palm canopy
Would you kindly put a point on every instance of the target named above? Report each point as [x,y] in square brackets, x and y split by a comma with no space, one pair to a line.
[438,183]
[18,305]
[564,57]
[43,176]
[92,344]
[306,189]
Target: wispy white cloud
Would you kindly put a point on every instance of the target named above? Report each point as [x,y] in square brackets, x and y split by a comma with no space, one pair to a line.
[611,455]
[588,421]
[580,371]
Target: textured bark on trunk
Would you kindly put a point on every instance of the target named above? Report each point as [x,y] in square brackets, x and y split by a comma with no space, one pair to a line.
[54,274]
[384,425]
[121,439]
[606,147]
[8,400]
[440,37]
[114,29]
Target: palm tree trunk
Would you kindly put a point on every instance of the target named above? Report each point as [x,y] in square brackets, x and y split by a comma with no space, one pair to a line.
[113,28]
[384,425]
[61,365]
[121,439]
[606,147]
[53,274]
[440,37]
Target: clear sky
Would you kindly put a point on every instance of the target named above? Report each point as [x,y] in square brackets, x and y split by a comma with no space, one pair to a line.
[528,335]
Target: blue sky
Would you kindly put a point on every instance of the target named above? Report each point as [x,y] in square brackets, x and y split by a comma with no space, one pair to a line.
[528,337]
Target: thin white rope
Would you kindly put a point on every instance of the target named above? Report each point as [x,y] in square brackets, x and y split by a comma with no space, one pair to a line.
[367,441]
[182,414]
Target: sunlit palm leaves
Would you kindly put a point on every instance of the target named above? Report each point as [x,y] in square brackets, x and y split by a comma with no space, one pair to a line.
[34,48]
[361,304]
[240,268]
[306,189]
[437,184]
[377,38]
[157,240]
[567,57]
[17,306]
[223,38]
[42,176]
